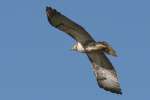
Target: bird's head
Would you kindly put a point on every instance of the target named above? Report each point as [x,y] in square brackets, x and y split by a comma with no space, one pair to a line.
[74,48]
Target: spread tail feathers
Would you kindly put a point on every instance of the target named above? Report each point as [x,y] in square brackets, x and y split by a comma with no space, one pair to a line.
[109,50]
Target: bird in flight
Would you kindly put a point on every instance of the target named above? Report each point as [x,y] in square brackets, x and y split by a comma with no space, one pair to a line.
[104,71]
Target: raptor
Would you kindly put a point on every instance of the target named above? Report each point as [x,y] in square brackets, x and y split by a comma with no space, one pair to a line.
[104,71]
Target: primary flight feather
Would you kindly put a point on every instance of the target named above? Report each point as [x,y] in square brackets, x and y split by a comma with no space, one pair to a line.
[103,69]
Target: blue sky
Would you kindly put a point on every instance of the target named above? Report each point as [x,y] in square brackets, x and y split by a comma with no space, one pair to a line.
[35,60]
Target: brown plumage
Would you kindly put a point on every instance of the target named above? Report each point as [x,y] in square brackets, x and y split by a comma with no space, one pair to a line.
[103,69]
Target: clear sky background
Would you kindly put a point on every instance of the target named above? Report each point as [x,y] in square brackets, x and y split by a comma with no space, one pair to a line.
[36,63]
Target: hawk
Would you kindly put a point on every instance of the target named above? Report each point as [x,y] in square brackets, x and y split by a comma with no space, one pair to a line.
[104,71]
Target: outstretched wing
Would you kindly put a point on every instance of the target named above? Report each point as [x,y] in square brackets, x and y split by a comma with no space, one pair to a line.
[104,71]
[64,24]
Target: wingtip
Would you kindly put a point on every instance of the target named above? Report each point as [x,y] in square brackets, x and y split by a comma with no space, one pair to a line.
[48,8]
[119,92]
[49,11]
[113,89]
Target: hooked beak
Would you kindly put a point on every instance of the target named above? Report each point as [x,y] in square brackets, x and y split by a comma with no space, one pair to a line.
[72,49]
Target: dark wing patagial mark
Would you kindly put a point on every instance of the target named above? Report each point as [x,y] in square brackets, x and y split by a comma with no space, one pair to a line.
[64,24]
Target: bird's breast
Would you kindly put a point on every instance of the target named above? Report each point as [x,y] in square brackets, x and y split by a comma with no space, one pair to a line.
[80,48]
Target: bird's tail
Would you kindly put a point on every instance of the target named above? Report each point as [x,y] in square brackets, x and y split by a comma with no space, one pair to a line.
[108,49]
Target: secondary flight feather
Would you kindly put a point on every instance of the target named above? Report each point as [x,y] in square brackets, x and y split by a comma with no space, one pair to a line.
[104,71]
